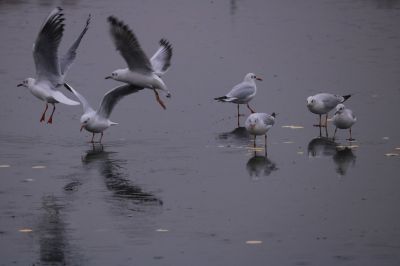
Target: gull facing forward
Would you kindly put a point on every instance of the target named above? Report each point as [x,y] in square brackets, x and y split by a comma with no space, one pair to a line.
[242,93]
[50,70]
[343,119]
[141,71]
[98,121]
[259,124]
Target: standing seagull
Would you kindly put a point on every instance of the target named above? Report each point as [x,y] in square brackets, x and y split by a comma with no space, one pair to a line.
[242,93]
[97,121]
[259,124]
[343,119]
[323,103]
[50,71]
[141,71]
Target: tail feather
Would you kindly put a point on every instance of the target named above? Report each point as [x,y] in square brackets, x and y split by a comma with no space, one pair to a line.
[345,97]
[221,99]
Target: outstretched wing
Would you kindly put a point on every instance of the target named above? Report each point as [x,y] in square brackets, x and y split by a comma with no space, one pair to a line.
[85,104]
[69,57]
[112,97]
[45,48]
[161,60]
[128,45]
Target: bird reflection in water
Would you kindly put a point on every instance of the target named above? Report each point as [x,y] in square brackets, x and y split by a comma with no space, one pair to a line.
[342,156]
[54,247]
[239,133]
[343,159]
[115,177]
[260,165]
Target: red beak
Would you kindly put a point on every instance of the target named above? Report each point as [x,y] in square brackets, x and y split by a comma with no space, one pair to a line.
[82,127]
[260,79]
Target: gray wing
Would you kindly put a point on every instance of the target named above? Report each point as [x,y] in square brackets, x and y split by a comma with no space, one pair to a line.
[129,47]
[69,57]
[85,104]
[112,97]
[268,119]
[330,100]
[46,46]
[241,91]
[161,60]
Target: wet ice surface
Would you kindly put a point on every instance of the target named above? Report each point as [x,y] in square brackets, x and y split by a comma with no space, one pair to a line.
[183,186]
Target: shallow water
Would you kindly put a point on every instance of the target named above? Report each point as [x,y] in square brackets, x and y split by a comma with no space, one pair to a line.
[184,186]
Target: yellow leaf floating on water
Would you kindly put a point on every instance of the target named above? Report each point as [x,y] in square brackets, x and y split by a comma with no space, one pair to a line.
[293,127]
[300,152]
[162,230]
[385,138]
[398,148]
[391,154]
[25,230]
[254,242]
[38,167]
[4,165]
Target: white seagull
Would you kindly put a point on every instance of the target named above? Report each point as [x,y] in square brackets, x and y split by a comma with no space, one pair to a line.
[323,103]
[98,121]
[259,124]
[141,71]
[242,93]
[343,119]
[51,70]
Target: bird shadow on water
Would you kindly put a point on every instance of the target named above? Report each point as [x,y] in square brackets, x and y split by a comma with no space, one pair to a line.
[116,178]
[238,135]
[260,165]
[342,156]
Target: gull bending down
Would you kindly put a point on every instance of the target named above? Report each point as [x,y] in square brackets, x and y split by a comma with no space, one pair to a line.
[242,93]
[98,121]
[323,103]
[50,70]
[141,71]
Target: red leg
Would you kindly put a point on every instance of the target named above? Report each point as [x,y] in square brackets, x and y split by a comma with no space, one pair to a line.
[251,110]
[334,134]
[92,141]
[351,138]
[51,116]
[319,125]
[159,100]
[265,138]
[254,143]
[43,115]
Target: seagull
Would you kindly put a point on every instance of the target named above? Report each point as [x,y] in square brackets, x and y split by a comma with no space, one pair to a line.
[98,121]
[343,119]
[259,124]
[242,93]
[51,70]
[323,103]
[141,71]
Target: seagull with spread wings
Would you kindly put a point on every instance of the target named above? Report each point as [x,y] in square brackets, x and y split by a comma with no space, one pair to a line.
[98,121]
[141,71]
[50,69]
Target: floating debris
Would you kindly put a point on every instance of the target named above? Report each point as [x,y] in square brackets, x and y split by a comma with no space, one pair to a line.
[288,142]
[385,138]
[162,230]
[254,242]
[391,154]
[300,152]
[4,165]
[293,127]
[397,148]
[29,180]
[251,149]
[25,230]
[38,167]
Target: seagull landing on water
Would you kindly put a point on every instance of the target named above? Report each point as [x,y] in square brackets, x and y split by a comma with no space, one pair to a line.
[259,124]
[50,71]
[141,71]
[242,93]
[98,121]
[344,119]
[323,103]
